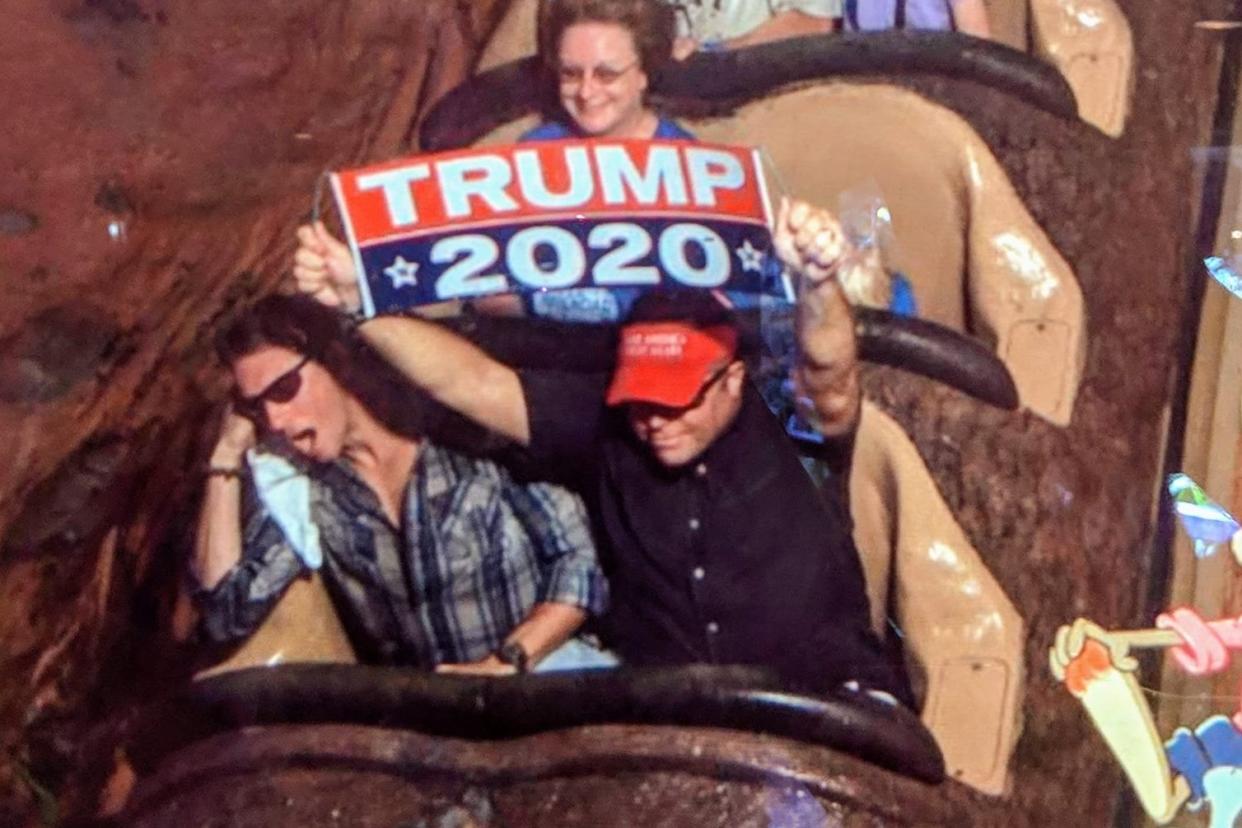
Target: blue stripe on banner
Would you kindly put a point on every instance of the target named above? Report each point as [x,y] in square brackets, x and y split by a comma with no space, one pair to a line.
[642,252]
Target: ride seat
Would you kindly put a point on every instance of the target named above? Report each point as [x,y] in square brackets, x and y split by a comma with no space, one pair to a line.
[956,621]
[302,627]
[1089,41]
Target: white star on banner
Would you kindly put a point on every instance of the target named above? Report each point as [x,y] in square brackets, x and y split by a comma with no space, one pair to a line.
[402,273]
[750,258]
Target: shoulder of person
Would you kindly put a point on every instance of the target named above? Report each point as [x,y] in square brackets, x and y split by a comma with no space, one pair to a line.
[547,131]
[668,128]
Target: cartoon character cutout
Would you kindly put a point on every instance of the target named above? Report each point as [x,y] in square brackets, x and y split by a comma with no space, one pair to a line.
[1193,768]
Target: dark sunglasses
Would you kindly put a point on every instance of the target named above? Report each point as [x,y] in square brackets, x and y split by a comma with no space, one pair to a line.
[668,411]
[280,390]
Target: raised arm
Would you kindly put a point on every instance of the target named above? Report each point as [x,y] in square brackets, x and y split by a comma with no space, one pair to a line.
[453,371]
[218,540]
[810,242]
[450,369]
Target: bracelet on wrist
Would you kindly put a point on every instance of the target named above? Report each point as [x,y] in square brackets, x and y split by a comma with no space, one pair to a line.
[227,472]
[515,655]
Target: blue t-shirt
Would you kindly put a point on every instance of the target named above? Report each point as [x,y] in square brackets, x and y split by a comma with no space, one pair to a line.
[555,130]
[902,301]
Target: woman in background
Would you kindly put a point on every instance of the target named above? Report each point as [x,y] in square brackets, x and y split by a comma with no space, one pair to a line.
[601,55]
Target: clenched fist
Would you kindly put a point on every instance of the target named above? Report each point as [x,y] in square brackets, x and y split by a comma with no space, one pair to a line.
[323,268]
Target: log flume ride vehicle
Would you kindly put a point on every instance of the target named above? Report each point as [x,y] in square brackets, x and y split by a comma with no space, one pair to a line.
[331,743]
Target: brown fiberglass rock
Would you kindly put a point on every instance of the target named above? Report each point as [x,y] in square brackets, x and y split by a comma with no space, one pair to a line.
[156,158]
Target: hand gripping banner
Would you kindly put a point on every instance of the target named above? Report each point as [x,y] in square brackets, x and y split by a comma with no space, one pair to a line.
[555,215]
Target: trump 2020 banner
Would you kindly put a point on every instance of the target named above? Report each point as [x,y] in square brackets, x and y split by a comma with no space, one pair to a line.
[555,215]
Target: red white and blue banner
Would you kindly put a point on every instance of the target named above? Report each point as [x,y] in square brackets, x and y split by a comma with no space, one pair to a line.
[555,215]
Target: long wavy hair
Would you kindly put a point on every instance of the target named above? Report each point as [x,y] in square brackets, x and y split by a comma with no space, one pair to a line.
[307,327]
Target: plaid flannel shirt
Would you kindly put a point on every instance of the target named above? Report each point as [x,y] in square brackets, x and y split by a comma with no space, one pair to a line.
[475,552]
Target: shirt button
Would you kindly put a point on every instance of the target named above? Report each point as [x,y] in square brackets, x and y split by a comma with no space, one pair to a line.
[694,524]
[698,573]
[712,628]
[701,470]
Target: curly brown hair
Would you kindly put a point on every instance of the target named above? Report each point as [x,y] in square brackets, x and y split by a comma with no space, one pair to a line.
[652,24]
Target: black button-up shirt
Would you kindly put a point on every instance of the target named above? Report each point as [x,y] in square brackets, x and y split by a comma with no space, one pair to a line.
[736,557]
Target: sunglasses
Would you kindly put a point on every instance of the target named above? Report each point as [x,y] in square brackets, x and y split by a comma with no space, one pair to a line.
[280,390]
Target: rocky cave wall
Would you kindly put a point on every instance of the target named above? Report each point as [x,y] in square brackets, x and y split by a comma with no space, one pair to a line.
[156,159]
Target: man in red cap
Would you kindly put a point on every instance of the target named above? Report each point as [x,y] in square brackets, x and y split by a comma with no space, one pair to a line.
[718,546]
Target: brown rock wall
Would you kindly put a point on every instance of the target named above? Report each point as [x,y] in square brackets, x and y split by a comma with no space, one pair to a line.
[155,159]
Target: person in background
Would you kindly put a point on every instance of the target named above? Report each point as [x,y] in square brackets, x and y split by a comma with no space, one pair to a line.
[714,25]
[433,558]
[965,16]
[601,55]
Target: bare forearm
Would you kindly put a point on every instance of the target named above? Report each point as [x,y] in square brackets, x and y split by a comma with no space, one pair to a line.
[828,357]
[781,26]
[453,371]
[218,543]
[547,627]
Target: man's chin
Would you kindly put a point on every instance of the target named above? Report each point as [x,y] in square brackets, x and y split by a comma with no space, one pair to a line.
[673,457]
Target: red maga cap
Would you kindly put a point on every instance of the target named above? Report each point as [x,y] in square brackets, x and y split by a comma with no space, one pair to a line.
[667,362]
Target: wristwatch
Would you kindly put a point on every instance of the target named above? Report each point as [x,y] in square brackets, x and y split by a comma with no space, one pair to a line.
[515,655]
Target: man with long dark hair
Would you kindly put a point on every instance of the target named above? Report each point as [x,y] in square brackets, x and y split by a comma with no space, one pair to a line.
[433,558]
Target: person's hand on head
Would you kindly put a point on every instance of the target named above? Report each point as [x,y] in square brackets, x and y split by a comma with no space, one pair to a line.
[237,436]
[809,240]
[323,268]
